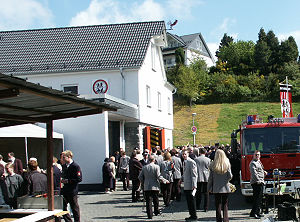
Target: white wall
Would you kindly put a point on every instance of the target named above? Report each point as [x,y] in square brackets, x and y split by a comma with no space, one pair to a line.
[85,81]
[86,137]
[191,55]
[156,80]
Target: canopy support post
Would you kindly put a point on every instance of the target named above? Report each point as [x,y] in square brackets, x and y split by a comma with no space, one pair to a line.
[49,165]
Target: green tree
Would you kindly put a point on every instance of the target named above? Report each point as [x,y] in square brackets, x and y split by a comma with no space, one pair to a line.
[179,56]
[288,51]
[239,56]
[262,52]
[224,88]
[291,70]
[273,45]
[200,68]
[187,84]
[225,41]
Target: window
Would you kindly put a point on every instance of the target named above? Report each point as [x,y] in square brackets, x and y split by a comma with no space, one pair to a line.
[153,56]
[70,89]
[148,96]
[159,101]
[169,105]
[198,45]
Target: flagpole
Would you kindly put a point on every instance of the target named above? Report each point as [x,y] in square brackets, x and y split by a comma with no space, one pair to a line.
[287,93]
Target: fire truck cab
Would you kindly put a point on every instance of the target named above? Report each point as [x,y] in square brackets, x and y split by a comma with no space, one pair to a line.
[278,141]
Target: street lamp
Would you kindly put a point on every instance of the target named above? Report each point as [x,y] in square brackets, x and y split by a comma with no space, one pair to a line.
[194,132]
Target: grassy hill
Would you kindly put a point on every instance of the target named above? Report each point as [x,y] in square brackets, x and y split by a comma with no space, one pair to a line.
[215,122]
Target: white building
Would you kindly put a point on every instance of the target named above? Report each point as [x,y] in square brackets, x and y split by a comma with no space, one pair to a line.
[194,47]
[118,64]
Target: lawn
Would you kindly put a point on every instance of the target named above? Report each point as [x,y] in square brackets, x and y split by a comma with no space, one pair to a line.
[215,122]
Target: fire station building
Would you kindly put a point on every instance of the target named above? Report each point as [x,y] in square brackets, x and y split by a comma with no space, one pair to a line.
[120,65]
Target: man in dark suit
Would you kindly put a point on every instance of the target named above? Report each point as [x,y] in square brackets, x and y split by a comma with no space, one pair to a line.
[3,188]
[190,176]
[71,177]
[135,168]
[18,166]
[145,160]
[176,189]
[203,164]
[150,177]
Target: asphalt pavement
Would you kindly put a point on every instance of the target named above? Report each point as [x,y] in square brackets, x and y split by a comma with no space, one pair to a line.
[117,206]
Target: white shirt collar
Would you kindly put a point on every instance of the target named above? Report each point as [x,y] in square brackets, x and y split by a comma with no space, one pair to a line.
[69,163]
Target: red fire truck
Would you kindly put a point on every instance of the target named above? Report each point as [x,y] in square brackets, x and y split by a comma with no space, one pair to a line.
[279,143]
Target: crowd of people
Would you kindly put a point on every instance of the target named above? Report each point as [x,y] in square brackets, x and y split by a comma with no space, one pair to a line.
[32,181]
[201,170]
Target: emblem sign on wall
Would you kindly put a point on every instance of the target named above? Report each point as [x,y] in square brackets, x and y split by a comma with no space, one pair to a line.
[100,86]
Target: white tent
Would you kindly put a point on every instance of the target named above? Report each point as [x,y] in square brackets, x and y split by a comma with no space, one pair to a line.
[27,130]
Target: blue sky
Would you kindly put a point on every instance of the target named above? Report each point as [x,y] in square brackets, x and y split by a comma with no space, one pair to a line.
[238,18]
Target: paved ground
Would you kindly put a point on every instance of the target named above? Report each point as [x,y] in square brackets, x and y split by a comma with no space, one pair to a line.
[118,207]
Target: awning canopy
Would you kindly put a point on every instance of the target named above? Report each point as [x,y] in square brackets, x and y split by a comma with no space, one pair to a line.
[27,130]
[24,102]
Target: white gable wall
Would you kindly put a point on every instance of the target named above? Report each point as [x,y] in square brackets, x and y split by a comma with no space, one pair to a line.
[155,79]
[191,55]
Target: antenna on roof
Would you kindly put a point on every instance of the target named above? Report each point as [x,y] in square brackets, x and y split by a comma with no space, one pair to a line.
[172,24]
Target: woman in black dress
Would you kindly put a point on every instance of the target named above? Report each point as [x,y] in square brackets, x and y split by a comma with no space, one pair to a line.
[107,176]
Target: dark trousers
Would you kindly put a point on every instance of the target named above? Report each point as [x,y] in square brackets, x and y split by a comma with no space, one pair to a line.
[12,202]
[221,201]
[135,190]
[125,180]
[151,195]
[73,201]
[113,184]
[166,192]
[191,203]
[176,190]
[257,198]
[202,191]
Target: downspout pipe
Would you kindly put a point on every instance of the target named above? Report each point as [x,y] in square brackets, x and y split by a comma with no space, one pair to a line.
[123,83]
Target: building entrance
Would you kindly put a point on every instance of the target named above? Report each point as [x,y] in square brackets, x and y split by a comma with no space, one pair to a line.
[114,136]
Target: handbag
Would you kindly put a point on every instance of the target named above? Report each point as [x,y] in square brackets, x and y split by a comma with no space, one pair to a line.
[232,187]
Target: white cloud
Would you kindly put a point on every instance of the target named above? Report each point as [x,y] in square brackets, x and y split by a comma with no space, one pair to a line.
[116,11]
[99,12]
[148,10]
[23,14]
[182,9]
[112,11]
[295,34]
[226,24]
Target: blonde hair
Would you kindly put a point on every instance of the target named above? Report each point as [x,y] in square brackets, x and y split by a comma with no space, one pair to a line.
[167,156]
[221,163]
[112,159]
[68,153]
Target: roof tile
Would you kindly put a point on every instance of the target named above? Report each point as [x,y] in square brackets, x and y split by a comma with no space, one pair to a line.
[76,48]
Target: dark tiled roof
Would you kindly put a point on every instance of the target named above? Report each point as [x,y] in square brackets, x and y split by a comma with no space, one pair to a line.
[178,38]
[189,38]
[76,48]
